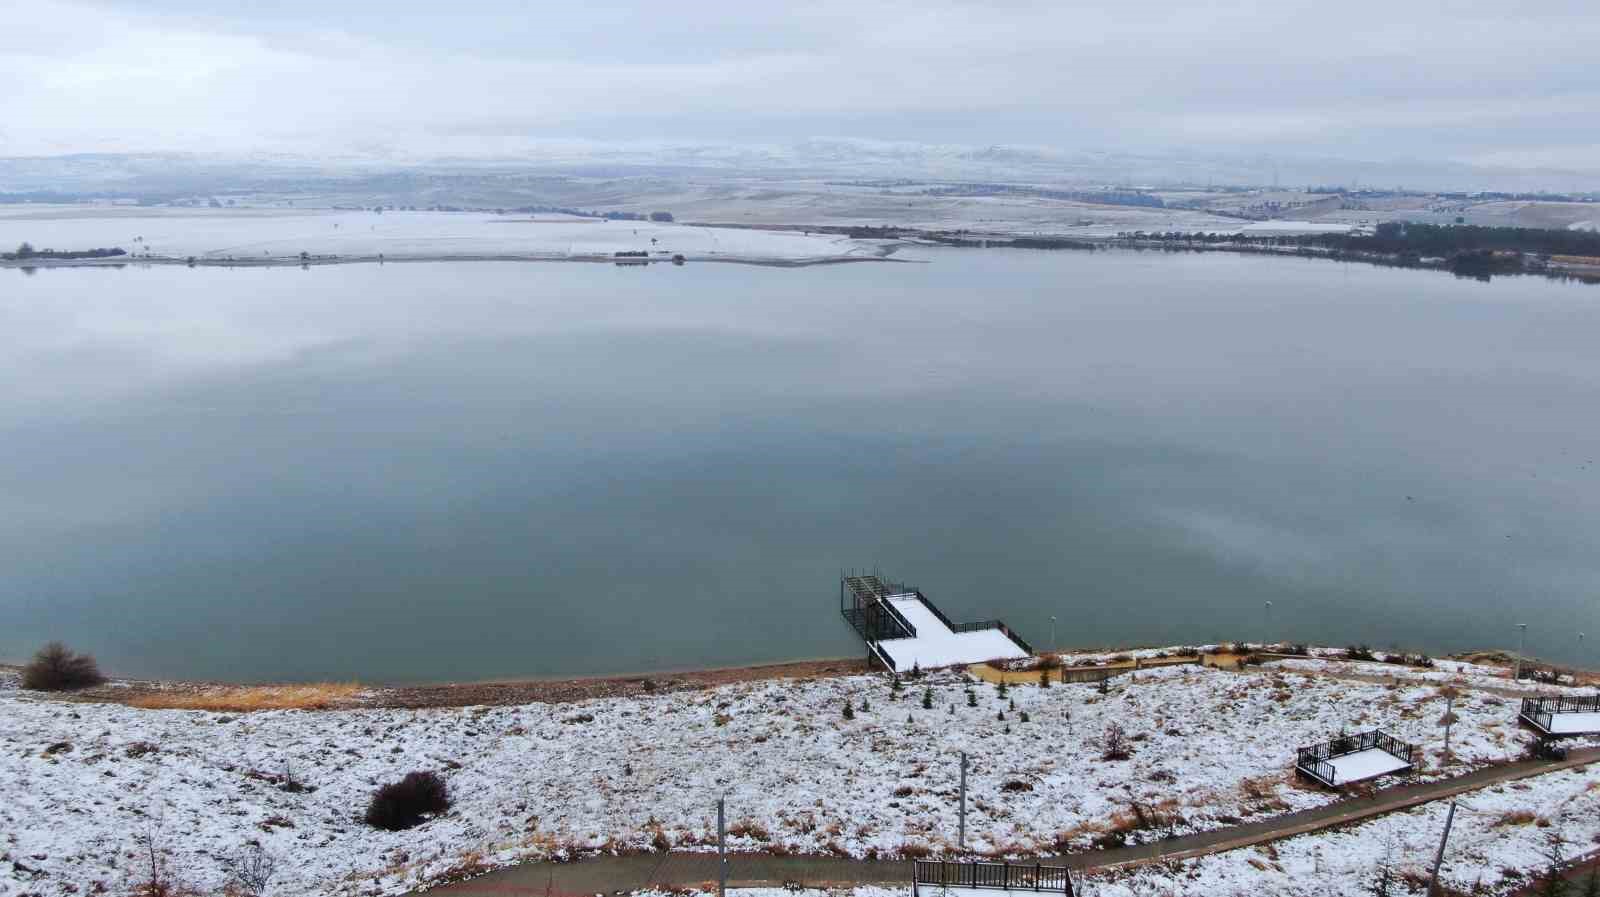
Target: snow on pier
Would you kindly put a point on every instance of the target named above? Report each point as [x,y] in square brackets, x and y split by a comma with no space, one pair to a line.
[904,630]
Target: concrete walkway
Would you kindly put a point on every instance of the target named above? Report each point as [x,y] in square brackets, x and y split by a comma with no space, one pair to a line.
[629,873]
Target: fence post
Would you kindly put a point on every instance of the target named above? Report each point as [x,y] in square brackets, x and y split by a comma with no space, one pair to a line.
[722,849]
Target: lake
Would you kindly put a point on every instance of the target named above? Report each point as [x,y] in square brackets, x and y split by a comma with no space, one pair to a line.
[464,471]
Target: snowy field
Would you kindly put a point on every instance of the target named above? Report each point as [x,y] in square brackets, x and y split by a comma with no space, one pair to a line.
[1209,749]
[279,234]
[1498,835]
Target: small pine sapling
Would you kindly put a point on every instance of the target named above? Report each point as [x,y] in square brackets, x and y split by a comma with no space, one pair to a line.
[849,712]
[865,707]
[1002,688]
[1022,717]
[972,699]
[927,699]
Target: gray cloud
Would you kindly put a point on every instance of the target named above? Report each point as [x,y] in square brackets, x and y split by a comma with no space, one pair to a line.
[1474,82]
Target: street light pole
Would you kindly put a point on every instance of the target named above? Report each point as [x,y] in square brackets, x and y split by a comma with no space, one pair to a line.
[722,848]
[1522,642]
[961,831]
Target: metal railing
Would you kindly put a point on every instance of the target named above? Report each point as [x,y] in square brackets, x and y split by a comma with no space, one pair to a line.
[886,604]
[1541,712]
[1320,770]
[1313,760]
[1562,704]
[939,874]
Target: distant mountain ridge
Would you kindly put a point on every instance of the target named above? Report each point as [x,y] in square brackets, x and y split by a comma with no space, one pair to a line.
[821,157]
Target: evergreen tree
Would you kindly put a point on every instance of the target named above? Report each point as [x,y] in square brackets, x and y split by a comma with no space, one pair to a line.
[849,712]
[927,699]
[972,699]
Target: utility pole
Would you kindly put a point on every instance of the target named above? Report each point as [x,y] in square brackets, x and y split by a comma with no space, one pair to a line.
[722,848]
[1522,642]
[961,831]
[1053,632]
[1438,858]
[1268,634]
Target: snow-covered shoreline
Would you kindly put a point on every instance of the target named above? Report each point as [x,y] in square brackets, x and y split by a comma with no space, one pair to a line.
[1210,748]
[310,237]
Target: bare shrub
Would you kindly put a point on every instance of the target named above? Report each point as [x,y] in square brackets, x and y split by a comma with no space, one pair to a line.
[1359,652]
[250,869]
[402,805]
[1114,743]
[55,668]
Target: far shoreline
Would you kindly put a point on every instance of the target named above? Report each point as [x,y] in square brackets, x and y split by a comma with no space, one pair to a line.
[557,689]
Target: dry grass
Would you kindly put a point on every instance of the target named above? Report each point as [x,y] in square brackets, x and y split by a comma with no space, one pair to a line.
[247,699]
[1516,817]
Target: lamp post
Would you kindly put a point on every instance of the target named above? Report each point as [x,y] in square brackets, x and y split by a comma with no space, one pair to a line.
[1522,642]
[961,830]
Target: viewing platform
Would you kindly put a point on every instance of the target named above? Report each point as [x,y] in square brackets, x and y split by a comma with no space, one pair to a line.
[1355,758]
[1561,716]
[904,630]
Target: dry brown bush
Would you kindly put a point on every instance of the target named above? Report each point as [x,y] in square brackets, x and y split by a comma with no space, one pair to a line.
[55,668]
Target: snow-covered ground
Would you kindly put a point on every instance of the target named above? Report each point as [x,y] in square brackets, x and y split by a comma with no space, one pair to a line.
[268,234]
[1209,748]
[1498,836]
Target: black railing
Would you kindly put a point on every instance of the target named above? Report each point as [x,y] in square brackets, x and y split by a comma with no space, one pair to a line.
[887,605]
[1562,704]
[973,627]
[1541,711]
[1321,770]
[996,876]
[877,622]
[1313,760]
[885,656]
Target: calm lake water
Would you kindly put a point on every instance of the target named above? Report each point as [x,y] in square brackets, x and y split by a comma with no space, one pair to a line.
[456,471]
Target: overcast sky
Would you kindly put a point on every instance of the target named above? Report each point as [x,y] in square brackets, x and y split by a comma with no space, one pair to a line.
[1478,82]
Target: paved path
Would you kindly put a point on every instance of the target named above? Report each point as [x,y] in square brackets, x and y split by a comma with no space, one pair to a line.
[629,873]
